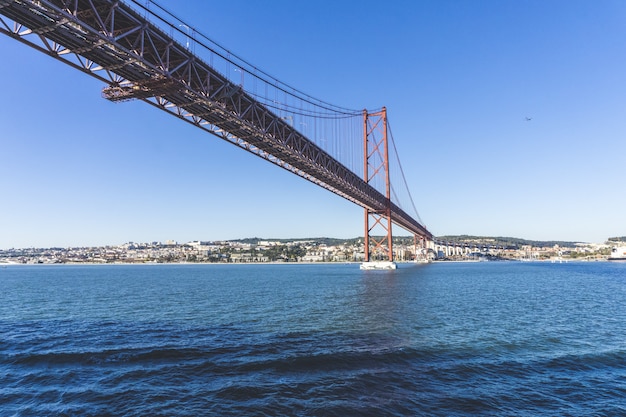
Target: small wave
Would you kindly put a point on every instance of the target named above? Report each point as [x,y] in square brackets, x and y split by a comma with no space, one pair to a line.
[592,361]
[106,357]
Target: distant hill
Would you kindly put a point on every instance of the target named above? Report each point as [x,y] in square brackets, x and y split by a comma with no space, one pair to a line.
[512,242]
[329,241]
[509,242]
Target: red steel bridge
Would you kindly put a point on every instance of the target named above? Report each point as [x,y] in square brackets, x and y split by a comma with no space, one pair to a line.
[141,51]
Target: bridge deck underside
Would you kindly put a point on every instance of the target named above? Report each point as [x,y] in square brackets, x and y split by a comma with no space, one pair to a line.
[144,63]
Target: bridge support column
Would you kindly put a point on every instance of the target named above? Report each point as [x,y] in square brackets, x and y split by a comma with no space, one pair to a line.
[378,233]
[422,246]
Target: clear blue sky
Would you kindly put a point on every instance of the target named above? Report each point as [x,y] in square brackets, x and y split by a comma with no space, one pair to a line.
[458,79]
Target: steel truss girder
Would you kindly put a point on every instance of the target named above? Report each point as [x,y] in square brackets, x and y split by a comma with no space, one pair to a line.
[137,60]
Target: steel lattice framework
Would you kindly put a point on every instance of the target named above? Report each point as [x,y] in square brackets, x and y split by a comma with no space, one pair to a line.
[110,41]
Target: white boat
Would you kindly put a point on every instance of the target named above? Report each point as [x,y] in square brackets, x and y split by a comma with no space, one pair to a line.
[618,253]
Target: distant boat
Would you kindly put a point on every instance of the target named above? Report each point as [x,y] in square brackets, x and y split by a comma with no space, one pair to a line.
[618,254]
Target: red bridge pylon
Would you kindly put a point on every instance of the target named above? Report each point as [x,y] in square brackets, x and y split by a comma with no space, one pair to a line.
[378,234]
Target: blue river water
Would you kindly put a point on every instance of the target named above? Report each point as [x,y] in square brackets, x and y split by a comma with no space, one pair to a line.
[443,339]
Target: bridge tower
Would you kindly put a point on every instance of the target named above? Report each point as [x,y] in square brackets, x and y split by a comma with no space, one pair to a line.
[376,168]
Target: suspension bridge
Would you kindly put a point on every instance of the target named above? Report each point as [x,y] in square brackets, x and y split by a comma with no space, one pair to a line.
[141,51]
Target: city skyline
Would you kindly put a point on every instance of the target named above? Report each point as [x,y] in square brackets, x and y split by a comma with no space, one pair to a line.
[508,118]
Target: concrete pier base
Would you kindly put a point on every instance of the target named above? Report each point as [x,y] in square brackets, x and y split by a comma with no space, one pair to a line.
[379,265]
